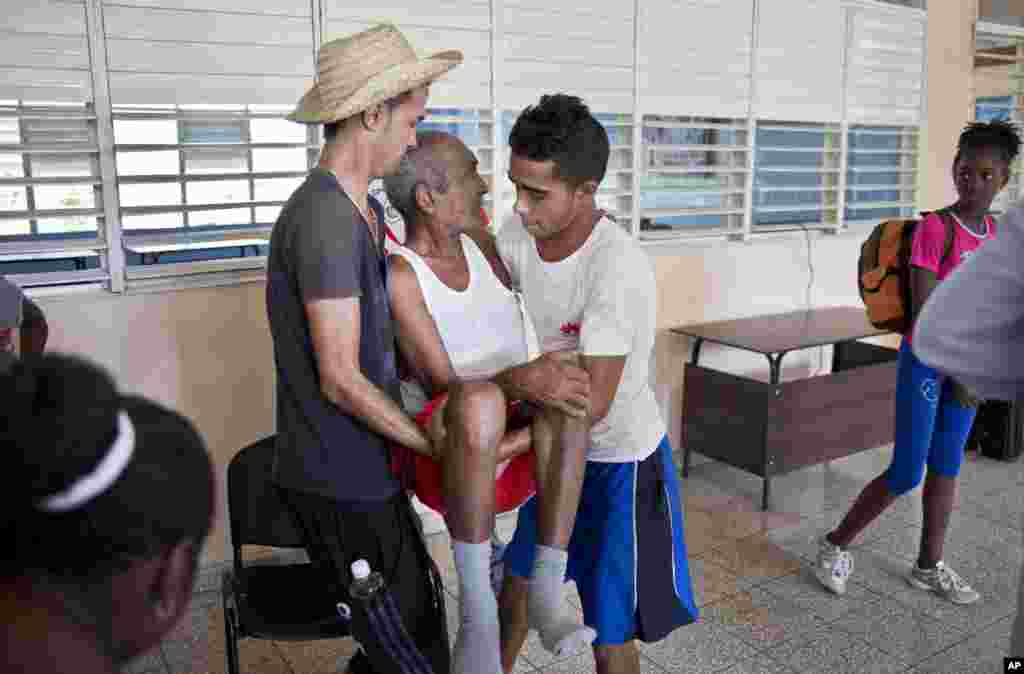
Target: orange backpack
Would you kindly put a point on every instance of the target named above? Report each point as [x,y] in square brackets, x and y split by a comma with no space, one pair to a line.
[883,271]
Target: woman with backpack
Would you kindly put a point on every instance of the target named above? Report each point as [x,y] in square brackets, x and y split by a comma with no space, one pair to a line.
[934,414]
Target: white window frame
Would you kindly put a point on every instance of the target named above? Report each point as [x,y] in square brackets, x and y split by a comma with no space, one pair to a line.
[629,170]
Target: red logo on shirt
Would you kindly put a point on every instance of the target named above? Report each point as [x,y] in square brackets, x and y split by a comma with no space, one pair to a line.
[571,329]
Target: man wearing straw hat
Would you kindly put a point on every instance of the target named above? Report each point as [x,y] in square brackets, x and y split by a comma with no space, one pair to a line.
[337,385]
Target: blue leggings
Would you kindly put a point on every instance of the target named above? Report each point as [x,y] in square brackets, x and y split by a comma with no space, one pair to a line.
[931,426]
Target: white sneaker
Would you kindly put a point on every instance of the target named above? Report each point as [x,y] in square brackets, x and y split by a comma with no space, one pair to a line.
[834,566]
[944,582]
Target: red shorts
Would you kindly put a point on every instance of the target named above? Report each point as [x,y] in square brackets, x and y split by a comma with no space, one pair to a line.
[514,482]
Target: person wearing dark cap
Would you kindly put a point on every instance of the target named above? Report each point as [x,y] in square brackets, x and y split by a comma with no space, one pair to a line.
[100,550]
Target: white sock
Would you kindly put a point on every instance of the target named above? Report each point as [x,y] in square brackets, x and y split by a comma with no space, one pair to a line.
[477,646]
[560,632]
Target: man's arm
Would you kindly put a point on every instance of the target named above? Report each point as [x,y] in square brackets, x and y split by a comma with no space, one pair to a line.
[972,327]
[335,329]
[34,329]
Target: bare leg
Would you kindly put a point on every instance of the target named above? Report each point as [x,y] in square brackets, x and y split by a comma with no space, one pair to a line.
[475,424]
[938,497]
[560,444]
[871,503]
[617,659]
[514,626]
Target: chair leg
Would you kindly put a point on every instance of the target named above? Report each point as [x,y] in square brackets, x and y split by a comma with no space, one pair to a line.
[231,640]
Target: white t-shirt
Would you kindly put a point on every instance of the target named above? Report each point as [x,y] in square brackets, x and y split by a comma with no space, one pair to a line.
[600,300]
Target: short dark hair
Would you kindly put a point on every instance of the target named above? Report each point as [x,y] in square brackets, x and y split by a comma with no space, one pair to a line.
[58,421]
[560,128]
[999,135]
[331,128]
[420,166]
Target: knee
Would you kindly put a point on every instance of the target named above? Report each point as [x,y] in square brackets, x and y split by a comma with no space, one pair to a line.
[476,411]
[904,481]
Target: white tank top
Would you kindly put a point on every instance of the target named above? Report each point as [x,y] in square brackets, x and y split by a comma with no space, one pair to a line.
[484,328]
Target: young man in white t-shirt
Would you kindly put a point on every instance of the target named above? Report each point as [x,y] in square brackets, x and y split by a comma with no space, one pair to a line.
[588,286]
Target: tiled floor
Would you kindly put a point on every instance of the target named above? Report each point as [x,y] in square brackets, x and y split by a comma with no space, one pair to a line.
[762,611]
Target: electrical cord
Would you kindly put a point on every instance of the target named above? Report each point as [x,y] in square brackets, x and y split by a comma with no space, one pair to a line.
[807,296]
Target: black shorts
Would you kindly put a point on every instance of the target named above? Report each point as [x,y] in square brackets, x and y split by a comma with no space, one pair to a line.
[387,535]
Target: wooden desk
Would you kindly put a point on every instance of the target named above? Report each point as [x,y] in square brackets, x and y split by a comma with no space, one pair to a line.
[776,427]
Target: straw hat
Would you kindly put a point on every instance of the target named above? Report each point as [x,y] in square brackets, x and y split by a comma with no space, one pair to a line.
[355,73]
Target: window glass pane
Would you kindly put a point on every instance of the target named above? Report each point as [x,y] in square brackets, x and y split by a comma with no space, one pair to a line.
[62,165]
[163,162]
[153,221]
[266,160]
[151,194]
[11,165]
[276,131]
[232,216]
[276,189]
[145,131]
[212,132]
[796,182]
[14,227]
[13,198]
[227,160]
[216,192]
[67,224]
[50,197]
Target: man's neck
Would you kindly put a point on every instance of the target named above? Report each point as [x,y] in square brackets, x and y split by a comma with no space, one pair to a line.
[351,166]
[433,240]
[572,238]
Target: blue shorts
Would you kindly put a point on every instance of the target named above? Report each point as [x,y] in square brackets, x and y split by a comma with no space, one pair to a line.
[931,426]
[627,553]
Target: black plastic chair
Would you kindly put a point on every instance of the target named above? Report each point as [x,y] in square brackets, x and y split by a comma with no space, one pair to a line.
[281,602]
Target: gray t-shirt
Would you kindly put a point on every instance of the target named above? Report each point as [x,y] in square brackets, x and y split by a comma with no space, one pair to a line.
[972,326]
[321,248]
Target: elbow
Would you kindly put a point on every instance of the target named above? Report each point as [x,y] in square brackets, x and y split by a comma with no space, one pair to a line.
[336,388]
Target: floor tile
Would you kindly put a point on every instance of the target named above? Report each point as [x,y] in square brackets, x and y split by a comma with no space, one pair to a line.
[700,648]
[907,635]
[761,619]
[829,649]
[804,590]
[756,557]
[981,654]
[762,665]
[324,656]
[712,582]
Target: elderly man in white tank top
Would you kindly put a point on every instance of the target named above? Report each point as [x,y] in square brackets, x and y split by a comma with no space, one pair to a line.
[472,353]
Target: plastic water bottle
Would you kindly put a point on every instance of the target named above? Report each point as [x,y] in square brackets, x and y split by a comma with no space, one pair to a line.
[366,584]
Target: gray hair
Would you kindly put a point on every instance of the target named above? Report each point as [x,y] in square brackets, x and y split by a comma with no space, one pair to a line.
[421,166]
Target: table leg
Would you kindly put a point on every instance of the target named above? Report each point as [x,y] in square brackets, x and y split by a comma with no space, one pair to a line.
[694,357]
[775,371]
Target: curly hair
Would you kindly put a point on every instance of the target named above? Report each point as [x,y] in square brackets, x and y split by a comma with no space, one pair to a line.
[999,135]
[560,128]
